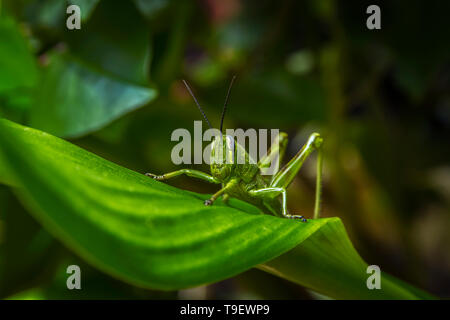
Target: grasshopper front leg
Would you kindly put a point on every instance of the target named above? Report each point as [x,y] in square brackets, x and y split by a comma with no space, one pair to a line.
[221,192]
[286,175]
[196,174]
[189,172]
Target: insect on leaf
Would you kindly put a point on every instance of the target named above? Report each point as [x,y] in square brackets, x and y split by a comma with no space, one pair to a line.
[153,235]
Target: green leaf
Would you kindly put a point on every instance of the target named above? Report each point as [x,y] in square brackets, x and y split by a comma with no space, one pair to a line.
[17,65]
[151,234]
[75,99]
[86,7]
[116,39]
[46,14]
[328,263]
[26,257]
[5,176]
[150,9]
[104,75]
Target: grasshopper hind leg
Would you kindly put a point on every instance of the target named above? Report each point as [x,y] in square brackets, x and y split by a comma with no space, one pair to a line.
[270,194]
[225,198]
[287,174]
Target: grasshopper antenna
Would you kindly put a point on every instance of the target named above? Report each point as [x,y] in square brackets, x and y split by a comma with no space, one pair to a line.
[226,102]
[198,105]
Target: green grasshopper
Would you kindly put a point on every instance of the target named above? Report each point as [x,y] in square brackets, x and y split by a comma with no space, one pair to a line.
[243,179]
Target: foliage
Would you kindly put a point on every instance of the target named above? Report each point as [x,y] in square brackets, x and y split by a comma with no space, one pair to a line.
[157,236]
[113,90]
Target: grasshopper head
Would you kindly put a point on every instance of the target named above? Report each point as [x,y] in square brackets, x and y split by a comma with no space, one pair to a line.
[223,157]
[223,147]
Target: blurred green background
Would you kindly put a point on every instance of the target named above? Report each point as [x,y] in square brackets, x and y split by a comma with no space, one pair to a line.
[380,98]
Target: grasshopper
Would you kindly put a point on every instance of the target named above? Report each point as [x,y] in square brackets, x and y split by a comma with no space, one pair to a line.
[243,179]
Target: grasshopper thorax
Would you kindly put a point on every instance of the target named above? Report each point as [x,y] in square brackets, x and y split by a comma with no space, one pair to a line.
[229,159]
[223,157]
